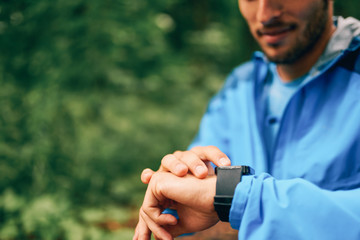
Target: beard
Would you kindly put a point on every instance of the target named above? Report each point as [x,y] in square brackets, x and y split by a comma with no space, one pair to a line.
[306,41]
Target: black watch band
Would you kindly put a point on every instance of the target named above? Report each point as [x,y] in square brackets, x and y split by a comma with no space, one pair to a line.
[227,180]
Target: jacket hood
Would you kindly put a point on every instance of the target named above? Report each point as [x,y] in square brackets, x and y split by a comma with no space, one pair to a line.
[346,30]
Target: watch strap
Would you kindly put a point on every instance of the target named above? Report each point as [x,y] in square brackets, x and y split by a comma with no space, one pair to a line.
[227,180]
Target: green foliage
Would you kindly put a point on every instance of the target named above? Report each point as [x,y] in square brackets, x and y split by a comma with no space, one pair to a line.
[92,92]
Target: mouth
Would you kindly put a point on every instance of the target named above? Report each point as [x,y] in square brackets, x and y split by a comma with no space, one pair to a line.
[273,36]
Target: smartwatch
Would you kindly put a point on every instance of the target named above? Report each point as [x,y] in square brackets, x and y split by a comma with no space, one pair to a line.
[227,179]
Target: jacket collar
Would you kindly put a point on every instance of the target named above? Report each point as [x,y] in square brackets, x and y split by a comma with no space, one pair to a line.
[345,39]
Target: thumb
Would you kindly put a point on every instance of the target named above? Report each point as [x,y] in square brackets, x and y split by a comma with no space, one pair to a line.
[146,175]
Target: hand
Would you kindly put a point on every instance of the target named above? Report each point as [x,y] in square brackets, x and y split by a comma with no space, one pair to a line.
[196,160]
[191,197]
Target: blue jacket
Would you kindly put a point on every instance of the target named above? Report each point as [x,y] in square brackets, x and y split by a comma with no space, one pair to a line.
[309,187]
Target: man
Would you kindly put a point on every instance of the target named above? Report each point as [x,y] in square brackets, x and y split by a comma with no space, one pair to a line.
[293,115]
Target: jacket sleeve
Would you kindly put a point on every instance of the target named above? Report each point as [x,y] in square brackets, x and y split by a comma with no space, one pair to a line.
[266,208]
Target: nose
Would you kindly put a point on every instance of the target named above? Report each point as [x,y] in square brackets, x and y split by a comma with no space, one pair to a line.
[268,11]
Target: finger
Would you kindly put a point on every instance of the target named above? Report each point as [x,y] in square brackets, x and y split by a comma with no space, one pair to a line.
[175,231]
[194,163]
[154,204]
[157,238]
[142,232]
[136,233]
[154,227]
[146,175]
[212,154]
[156,215]
[171,163]
[211,170]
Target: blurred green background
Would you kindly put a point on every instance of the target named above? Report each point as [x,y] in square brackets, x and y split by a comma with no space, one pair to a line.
[92,92]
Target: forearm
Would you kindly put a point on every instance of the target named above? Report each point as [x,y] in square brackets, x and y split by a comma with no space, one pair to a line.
[264,208]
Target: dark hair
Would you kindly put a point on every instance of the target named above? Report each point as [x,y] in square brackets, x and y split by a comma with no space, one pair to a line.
[326,3]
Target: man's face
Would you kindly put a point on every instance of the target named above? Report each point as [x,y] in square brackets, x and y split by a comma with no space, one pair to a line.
[285,29]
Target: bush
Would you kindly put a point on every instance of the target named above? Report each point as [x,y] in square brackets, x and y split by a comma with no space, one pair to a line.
[91,93]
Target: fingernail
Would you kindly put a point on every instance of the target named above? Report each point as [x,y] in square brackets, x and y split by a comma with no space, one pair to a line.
[224,161]
[199,170]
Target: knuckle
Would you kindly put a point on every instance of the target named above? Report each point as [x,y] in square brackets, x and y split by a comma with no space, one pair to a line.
[192,159]
[169,161]
[213,148]
[142,213]
[166,158]
[215,151]
[154,178]
[178,153]
[145,214]
[143,236]
[157,181]
[159,186]
[195,148]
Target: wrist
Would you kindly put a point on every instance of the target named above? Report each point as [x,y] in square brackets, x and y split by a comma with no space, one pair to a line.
[209,191]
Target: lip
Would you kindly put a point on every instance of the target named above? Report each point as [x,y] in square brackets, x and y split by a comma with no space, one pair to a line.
[275,36]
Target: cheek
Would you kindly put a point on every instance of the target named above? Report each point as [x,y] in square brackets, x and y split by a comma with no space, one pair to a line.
[305,12]
[248,10]
[253,33]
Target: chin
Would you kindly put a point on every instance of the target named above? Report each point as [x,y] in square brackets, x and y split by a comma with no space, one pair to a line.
[281,56]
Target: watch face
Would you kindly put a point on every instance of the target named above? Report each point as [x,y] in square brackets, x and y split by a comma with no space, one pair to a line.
[245,170]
